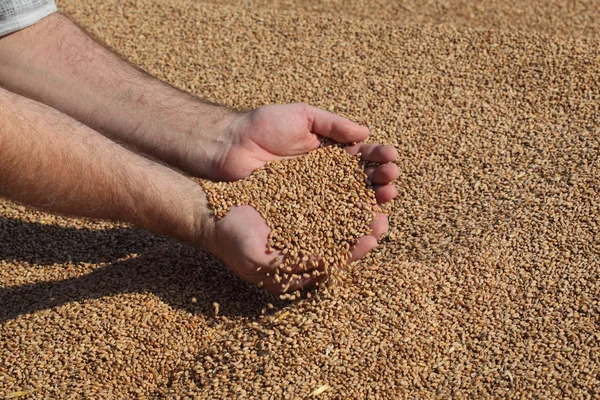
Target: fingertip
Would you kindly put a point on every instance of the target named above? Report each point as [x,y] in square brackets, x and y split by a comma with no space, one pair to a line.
[385,193]
[378,153]
[346,131]
[380,225]
[360,132]
[384,153]
[389,172]
[362,247]
[390,153]
[335,127]
[383,174]
[393,170]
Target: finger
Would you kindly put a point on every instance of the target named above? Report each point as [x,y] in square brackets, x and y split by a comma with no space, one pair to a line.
[379,153]
[385,193]
[362,247]
[313,283]
[333,126]
[383,174]
[379,226]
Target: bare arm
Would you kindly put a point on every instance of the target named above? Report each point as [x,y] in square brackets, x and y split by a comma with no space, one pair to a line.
[56,63]
[52,162]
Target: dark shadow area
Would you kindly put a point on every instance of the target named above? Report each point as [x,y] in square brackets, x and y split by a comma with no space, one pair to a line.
[49,244]
[175,272]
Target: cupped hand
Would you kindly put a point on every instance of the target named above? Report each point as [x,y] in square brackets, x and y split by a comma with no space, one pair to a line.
[274,132]
[242,244]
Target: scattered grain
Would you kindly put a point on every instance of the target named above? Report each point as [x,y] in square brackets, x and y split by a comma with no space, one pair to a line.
[486,285]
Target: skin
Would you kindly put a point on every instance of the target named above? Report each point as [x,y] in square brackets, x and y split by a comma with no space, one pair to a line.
[52,162]
[81,126]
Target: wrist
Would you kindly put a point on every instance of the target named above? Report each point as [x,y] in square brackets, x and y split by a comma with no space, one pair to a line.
[203,224]
[209,139]
[170,204]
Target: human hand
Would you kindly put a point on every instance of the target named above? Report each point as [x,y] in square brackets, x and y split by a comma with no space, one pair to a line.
[242,236]
[275,132]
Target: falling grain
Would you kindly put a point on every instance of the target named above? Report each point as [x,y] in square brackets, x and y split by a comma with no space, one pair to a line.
[324,198]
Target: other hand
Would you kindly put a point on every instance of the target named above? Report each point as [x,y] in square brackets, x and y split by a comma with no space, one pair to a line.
[274,132]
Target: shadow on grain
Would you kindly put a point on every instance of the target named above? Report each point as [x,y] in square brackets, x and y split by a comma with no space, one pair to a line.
[128,260]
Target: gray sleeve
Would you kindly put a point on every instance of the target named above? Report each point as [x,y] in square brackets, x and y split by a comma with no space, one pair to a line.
[19,14]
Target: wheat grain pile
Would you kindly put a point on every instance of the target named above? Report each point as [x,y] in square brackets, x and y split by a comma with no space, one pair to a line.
[487,284]
[317,205]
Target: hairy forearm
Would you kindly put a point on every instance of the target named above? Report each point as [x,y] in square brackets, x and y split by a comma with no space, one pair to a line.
[56,63]
[52,162]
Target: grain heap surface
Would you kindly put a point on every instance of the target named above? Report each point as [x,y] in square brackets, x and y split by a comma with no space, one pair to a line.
[557,17]
[316,205]
[487,285]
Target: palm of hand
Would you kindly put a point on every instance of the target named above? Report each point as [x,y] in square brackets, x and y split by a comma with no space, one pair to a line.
[244,249]
[243,235]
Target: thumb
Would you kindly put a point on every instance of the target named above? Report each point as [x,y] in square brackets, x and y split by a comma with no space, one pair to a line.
[333,126]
